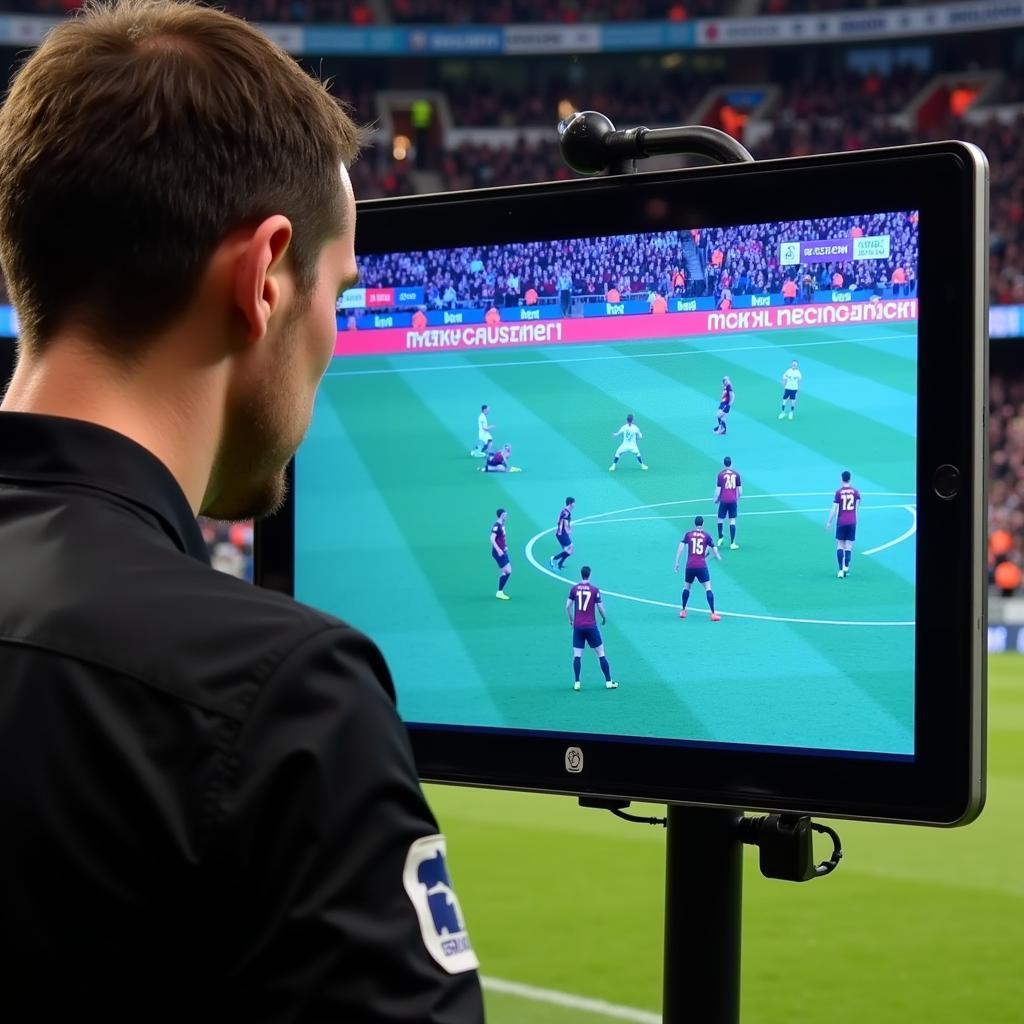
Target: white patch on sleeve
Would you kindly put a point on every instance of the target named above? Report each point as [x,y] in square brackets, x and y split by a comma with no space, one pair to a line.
[430,890]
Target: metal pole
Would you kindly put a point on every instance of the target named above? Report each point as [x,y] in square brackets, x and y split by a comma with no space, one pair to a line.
[703,899]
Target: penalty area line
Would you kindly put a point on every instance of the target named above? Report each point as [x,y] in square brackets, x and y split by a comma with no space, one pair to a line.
[569,1001]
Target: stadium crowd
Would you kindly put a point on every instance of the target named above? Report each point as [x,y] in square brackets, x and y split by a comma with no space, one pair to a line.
[1006,490]
[720,262]
[350,12]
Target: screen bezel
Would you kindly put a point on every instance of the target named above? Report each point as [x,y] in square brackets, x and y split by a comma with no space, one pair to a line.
[947,184]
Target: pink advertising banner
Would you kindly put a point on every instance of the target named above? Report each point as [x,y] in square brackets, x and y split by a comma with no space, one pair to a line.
[617,329]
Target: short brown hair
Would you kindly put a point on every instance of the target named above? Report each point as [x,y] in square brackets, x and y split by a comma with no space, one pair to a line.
[135,138]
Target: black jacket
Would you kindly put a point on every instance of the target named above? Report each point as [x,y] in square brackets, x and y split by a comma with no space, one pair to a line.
[207,800]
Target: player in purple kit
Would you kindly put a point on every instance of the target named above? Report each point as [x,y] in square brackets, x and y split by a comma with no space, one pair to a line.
[563,534]
[724,405]
[499,552]
[728,491]
[582,607]
[697,543]
[845,504]
[500,462]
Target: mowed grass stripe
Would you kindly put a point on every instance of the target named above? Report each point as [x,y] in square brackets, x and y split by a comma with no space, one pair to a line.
[556,389]
[448,504]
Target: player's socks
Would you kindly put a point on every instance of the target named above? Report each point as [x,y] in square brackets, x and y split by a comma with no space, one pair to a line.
[576,663]
[721,531]
[686,598]
[732,533]
[839,557]
[606,669]
[502,580]
[711,600]
[849,554]
[562,559]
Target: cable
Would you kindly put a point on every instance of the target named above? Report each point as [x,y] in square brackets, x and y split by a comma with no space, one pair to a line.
[640,821]
[826,867]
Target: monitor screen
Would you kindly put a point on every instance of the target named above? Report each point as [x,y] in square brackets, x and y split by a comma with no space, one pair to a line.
[686,458]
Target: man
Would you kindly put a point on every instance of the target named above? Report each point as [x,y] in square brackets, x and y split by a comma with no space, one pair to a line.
[500,462]
[791,379]
[728,491]
[724,405]
[582,607]
[697,543]
[209,806]
[844,510]
[484,433]
[499,552]
[563,535]
[565,291]
[630,434]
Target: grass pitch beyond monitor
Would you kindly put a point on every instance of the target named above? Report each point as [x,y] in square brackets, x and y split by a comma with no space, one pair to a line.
[694,406]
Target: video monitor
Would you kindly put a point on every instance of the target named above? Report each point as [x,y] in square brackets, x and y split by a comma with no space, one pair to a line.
[668,486]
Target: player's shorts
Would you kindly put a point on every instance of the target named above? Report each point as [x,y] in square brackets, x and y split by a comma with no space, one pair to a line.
[727,510]
[565,539]
[724,406]
[583,635]
[627,448]
[700,575]
[847,532]
[789,393]
[501,559]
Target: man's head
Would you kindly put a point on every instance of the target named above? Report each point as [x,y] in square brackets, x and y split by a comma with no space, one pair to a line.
[507,449]
[584,572]
[794,364]
[569,502]
[727,461]
[500,515]
[698,521]
[483,408]
[164,164]
[846,476]
[629,418]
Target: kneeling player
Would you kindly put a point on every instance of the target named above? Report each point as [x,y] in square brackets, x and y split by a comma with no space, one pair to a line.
[500,462]
[697,543]
[582,607]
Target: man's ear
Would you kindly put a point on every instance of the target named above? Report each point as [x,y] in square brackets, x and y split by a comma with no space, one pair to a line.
[258,274]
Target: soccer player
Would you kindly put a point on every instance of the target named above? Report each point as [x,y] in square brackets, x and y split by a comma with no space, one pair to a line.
[582,607]
[563,534]
[845,503]
[728,491]
[630,434]
[697,543]
[500,462]
[499,552]
[790,386]
[724,405]
[485,434]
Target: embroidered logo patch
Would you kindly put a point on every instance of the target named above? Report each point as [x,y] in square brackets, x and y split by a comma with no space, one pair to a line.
[430,889]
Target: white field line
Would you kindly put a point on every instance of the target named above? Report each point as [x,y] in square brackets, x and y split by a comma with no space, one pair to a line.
[569,1001]
[597,359]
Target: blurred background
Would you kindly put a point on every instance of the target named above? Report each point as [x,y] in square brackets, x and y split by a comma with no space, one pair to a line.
[565,904]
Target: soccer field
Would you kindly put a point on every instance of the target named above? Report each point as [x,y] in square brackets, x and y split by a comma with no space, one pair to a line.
[386,490]
[915,925]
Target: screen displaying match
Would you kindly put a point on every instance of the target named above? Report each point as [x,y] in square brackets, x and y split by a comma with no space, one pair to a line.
[655,486]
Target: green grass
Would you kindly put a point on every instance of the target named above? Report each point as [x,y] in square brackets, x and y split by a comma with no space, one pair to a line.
[386,492]
[915,925]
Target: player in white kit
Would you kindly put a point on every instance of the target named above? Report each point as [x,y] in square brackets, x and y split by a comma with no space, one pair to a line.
[485,434]
[630,434]
[790,387]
